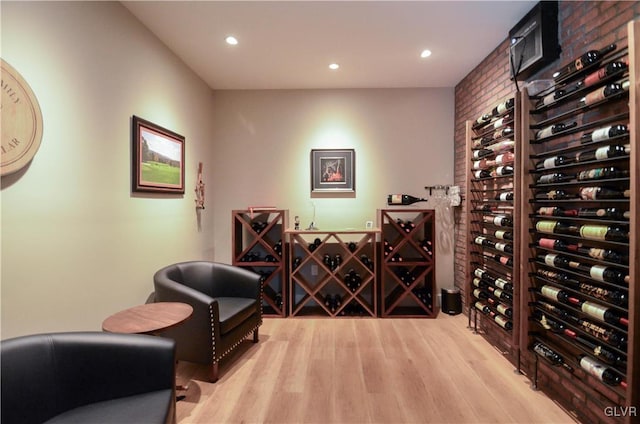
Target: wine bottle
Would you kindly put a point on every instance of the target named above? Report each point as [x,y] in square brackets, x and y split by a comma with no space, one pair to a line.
[502,171]
[606,213]
[388,247]
[403,199]
[501,146]
[556,177]
[482,307]
[503,284]
[427,246]
[483,274]
[480,294]
[599,370]
[554,129]
[352,245]
[597,76]
[554,244]
[603,313]
[502,121]
[296,262]
[553,195]
[478,282]
[503,159]
[587,59]
[504,247]
[481,164]
[550,355]
[498,220]
[600,94]
[503,322]
[600,173]
[600,253]
[604,232]
[556,211]
[553,161]
[505,310]
[604,133]
[481,153]
[504,260]
[554,260]
[599,193]
[550,98]
[483,241]
[556,227]
[608,274]
[604,152]
[482,173]
[504,196]
[546,322]
[503,132]
[503,107]
[483,119]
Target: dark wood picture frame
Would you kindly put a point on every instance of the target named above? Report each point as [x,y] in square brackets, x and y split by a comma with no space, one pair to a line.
[333,171]
[158,158]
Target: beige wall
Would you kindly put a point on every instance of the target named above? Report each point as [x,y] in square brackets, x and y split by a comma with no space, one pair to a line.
[402,139]
[76,244]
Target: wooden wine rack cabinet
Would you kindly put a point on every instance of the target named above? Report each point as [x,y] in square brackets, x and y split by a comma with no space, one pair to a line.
[258,241]
[408,285]
[315,273]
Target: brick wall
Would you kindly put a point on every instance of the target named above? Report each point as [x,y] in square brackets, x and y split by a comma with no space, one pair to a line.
[583,25]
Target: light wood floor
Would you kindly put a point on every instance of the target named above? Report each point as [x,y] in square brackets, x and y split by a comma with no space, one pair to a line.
[365,371]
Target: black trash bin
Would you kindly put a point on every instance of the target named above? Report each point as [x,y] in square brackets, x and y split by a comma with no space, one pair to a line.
[451,301]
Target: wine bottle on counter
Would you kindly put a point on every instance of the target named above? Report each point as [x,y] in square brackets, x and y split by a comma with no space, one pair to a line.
[587,59]
[600,94]
[554,129]
[550,355]
[602,73]
[604,152]
[554,195]
[600,371]
[553,161]
[604,233]
[403,199]
[503,107]
[504,196]
[604,133]
[599,193]
[556,177]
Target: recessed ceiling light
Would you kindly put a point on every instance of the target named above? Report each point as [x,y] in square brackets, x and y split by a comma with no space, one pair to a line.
[231,40]
[425,53]
[334,66]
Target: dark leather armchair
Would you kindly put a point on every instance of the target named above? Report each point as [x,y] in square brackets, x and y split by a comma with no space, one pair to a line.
[88,377]
[227,307]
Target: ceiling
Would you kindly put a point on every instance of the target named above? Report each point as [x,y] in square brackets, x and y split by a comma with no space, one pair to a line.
[289,44]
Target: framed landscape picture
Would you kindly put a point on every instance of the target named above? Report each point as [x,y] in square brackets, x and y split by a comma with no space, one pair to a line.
[333,171]
[158,158]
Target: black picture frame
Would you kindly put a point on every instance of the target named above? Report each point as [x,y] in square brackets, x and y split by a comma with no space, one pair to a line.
[333,171]
[158,158]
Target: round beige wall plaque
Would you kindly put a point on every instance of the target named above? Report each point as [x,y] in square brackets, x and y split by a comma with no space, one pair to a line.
[21,121]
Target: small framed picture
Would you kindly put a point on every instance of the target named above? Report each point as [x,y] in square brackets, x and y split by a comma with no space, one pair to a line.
[333,171]
[158,158]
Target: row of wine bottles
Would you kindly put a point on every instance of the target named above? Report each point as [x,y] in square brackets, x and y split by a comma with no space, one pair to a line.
[595,310]
[592,366]
[611,213]
[258,257]
[500,171]
[500,246]
[497,318]
[588,251]
[617,297]
[501,159]
[602,273]
[596,232]
[495,113]
[598,173]
[612,68]
[608,151]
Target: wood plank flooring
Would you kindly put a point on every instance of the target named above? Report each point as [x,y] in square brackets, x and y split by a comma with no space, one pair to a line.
[323,370]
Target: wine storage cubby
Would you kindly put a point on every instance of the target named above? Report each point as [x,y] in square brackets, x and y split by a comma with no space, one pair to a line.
[333,273]
[408,263]
[258,241]
[493,222]
[581,177]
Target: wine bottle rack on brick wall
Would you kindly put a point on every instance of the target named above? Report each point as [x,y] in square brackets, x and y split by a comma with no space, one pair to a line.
[408,263]
[493,223]
[581,173]
[258,241]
